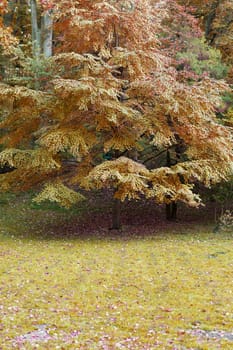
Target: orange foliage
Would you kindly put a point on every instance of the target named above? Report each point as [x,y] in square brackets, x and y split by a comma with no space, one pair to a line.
[117,92]
[7,40]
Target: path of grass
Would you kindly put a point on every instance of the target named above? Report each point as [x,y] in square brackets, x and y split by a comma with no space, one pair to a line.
[144,292]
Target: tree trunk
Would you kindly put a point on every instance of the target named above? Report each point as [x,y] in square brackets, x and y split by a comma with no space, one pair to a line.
[168,206]
[8,17]
[171,211]
[171,208]
[116,210]
[47,33]
[210,17]
[168,211]
[36,39]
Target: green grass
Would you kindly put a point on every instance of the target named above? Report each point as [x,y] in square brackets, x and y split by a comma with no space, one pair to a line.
[122,292]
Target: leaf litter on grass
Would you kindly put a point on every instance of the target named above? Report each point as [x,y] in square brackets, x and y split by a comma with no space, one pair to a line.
[119,292]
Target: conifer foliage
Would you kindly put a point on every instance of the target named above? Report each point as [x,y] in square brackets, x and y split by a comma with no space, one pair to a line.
[116,94]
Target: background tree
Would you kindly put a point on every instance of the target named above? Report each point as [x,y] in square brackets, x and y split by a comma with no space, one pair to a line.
[216,20]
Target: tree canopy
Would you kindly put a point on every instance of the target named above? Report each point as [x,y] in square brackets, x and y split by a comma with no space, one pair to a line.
[110,97]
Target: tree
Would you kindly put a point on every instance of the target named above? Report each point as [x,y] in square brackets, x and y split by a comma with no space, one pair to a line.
[117,93]
[6,38]
[41,35]
[216,19]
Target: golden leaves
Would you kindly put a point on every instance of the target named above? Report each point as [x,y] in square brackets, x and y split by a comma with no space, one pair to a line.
[75,65]
[167,186]
[161,140]
[115,89]
[136,63]
[121,141]
[84,92]
[7,41]
[25,98]
[76,142]
[125,175]
[28,159]
[59,193]
[131,179]
[206,171]
[104,25]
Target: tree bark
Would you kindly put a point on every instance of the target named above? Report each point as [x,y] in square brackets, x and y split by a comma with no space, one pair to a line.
[168,211]
[171,211]
[171,208]
[36,35]
[47,33]
[210,18]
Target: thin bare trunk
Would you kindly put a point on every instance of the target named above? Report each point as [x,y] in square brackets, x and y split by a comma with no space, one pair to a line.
[47,33]
[36,35]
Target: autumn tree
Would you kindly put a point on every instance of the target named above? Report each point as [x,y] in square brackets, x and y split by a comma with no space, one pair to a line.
[216,20]
[115,95]
[7,39]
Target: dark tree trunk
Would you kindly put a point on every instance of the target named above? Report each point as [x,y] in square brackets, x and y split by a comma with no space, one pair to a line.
[116,211]
[171,211]
[174,211]
[168,211]
[171,208]
[116,206]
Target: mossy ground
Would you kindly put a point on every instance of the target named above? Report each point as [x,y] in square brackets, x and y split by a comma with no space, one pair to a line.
[116,291]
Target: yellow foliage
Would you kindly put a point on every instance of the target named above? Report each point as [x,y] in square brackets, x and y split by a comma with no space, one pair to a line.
[23,96]
[59,193]
[204,171]
[121,141]
[73,65]
[115,89]
[7,40]
[84,92]
[135,62]
[166,186]
[28,159]
[161,140]
[77,142]
[125,175]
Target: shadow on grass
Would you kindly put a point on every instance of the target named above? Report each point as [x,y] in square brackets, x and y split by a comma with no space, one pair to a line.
[92,218]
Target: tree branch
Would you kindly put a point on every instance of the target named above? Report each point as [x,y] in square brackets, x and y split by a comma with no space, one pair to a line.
[157,155]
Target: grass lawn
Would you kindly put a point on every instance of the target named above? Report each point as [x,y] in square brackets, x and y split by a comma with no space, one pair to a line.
[163,291]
